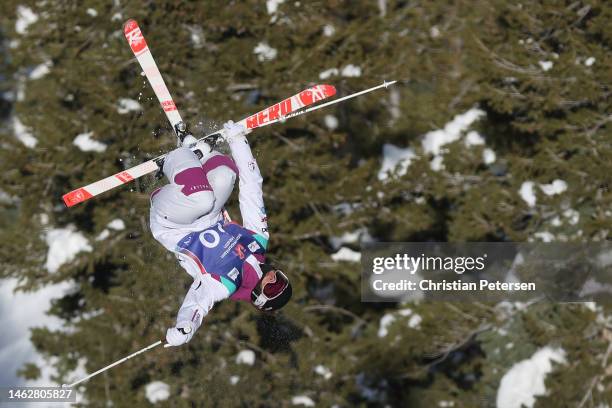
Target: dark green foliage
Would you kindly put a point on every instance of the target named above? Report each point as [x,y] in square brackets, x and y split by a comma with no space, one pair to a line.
[448,57]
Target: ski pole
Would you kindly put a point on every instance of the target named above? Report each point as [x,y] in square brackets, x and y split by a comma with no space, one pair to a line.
[157,343]
[385,84]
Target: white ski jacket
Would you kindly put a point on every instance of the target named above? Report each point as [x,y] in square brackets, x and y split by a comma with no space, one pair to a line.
[206,291]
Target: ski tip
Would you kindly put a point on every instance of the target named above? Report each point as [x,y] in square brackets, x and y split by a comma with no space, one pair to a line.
[76,196]
[134,37]
[328,90]
[388,83]
[129,25]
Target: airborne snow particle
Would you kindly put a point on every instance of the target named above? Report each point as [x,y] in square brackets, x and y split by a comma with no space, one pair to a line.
[157,391]
[351,71]
[23,133]
[302,400]
[545,65]
[395,157]
[87,144]
[346,254]
[527,194]
[64,244]
[245,357]
[556,187]
[25,18]
[525,380]
[264,52]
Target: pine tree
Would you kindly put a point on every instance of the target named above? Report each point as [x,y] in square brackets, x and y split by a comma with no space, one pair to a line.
[542,123]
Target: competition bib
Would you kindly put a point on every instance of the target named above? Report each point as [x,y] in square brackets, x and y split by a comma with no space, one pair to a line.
[220,251]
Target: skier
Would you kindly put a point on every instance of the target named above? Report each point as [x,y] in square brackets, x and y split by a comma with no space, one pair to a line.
[226,260]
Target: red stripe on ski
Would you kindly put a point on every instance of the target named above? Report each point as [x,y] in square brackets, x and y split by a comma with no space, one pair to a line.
[168,106]
[76,196]
[124,176]
[134,37]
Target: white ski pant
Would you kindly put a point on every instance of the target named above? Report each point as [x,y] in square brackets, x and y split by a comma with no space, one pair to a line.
[195,189]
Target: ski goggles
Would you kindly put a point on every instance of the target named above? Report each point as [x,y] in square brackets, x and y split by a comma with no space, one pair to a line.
[272,286]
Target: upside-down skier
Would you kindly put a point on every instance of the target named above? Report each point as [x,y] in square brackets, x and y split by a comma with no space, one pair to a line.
[225,259]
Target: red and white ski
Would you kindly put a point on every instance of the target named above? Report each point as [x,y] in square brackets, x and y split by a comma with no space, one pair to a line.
[286,108]
[141,51]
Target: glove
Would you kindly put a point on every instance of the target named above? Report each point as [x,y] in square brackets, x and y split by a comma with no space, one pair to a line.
[181,334]
[189,141]
[232,131]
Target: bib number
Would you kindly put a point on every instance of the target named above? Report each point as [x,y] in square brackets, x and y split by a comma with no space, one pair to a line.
[210,238]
